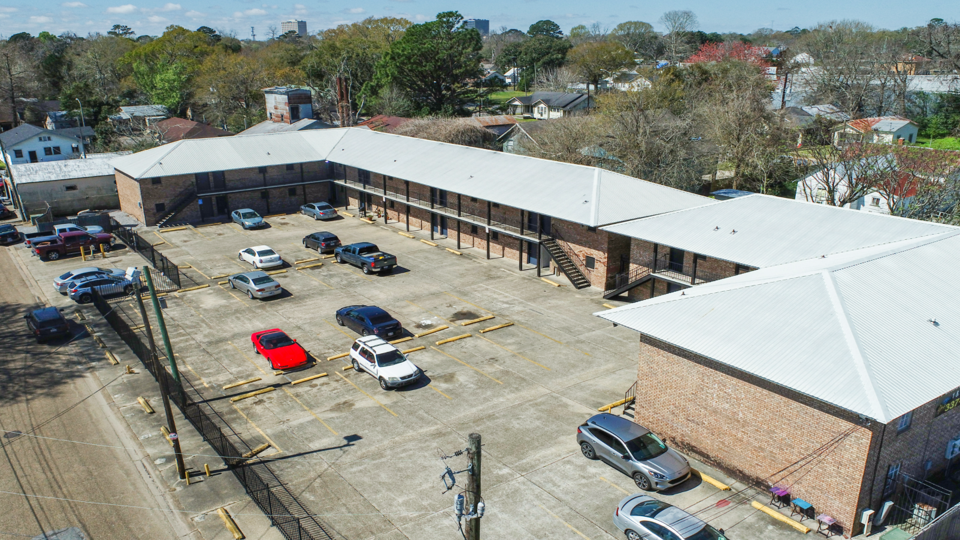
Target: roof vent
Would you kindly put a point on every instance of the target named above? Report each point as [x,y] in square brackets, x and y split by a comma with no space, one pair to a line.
[734,231]
[933,322]
[716,228]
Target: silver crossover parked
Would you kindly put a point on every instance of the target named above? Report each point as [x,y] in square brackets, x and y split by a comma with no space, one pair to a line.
[60,283]
[255,284]
[641,517]
[633,449]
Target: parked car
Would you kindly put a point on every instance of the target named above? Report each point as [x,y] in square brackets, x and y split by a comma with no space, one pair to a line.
[320,210]
[384,361]
[260,257]
[321,241]
[47,323]
[255,284]
[247,218]
[60,282]
[9,234]
[367,320]
[279,349]
[634,450]
[641,517]
[6,213]
[71,242]
[367,256]
[82,291]
[70,227]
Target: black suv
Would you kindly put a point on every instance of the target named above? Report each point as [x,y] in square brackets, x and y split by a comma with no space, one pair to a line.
[47,323]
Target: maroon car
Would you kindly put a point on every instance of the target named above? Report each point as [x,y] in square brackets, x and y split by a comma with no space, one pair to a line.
[71,242]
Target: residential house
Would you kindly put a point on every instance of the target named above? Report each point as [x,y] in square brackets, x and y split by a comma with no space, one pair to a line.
[512,76]
[810,188]
[31,144]
[497,124]
[629,81]
[386,124]
[288,109]
[548,105]
[175,129]
[521,134]
[66,186]
[828,111]
[60,120]
[26,110]
[140,117]
[878,130]
[494,78]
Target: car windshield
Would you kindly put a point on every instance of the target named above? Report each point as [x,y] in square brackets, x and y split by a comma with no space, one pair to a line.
[649,509]
[248,215]
[275,340]
[368,249]
[266,253]
[65,276]
[706,533]
[646,446]
[390,358]
[380,318]
[262,280]
[7,228]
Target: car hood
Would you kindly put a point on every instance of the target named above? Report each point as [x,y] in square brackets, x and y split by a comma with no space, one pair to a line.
[287,357]
[401,370]
[669,463]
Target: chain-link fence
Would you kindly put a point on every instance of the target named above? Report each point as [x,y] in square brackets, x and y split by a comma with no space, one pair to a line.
[171,274]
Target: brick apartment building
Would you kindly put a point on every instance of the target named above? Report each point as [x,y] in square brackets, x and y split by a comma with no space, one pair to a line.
[525,209]
[833,375]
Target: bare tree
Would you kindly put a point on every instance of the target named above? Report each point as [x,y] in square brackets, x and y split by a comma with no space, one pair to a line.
[462,131]
[555,79]
[838,176]
[565,140]
[679,24]
[17,75]
[941,42]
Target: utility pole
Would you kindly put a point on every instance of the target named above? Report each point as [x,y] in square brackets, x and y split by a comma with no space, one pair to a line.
[473,485]
[163,327]
[162,379]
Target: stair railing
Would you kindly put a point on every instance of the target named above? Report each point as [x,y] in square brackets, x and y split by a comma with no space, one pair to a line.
[179,204]
[629,396]
[572,255]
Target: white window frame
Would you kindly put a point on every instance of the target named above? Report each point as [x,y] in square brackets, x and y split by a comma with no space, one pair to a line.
[905,422]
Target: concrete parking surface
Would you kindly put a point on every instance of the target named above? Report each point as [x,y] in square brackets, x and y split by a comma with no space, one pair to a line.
[367,461]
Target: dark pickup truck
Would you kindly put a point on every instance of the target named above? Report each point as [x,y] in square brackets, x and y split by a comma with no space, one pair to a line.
[367,256]
[71,242]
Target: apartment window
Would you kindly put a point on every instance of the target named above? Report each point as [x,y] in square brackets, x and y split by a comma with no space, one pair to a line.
[44,138]
[18,153]
[289,166]
[890,482]
[262,170]
[495,235]
[70,188]
[875,201]
[75,148]
[591,263]
[291,191]
[155,181]
[160,207]
[48,150]
[363,176]
[391,204]
[472,199]
[905,421]
[264,194]
[473,229]
[56,150]
[495,205]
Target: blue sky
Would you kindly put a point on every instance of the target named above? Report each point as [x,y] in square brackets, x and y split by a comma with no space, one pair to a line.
[86,16]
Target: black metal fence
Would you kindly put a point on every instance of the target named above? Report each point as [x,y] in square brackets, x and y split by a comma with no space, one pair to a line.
[164,265]
[261,484]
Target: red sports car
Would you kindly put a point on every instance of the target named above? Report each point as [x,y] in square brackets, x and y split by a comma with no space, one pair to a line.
[281,350]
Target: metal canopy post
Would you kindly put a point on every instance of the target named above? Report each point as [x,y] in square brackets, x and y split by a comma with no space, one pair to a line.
[407,185]
[539,243]
[488,229]
[520,258]
[459,213]
[384,199]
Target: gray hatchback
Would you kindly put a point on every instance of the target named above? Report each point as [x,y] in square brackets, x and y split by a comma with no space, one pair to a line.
[633,449]
[255,284]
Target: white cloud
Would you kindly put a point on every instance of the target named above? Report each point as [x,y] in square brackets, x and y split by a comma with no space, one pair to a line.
[4,9]
[74,5]
[250,13]
[419,17]
[40,20]
[193,14]
[156,19]
[170,7]
[355,11]
[122,10]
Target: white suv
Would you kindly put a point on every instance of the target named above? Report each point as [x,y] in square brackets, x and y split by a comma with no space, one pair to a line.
[384,361]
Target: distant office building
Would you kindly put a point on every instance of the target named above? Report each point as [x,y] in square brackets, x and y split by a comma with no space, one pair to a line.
[300,27]
[482,25]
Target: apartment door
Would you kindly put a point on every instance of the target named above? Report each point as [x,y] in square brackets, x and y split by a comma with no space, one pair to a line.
[439,224]
[206,207]
[219,182]
[532,255]
[676,260]
[33,156]
[222,208]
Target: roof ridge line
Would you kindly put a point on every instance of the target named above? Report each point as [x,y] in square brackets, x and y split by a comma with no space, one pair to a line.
[333,146]
[173,146]
[595,204]
[853,345]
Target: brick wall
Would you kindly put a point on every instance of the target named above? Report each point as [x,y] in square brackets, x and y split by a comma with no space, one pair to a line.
[128,191]
[133,193]
[752,429]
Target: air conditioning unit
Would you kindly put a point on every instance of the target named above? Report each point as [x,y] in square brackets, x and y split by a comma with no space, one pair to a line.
[953,448]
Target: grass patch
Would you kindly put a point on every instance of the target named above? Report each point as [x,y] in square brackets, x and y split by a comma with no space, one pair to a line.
[504,96]
[946,143]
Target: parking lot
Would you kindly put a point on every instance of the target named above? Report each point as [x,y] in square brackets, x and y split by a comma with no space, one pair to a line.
[367,461]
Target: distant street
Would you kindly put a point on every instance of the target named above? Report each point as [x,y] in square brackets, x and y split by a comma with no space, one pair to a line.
[46,390]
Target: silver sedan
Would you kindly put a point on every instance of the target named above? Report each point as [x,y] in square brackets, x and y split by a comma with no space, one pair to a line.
[255,284]
[320,210]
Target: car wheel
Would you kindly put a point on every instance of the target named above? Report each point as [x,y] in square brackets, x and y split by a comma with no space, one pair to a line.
[339,259]
[588,451]
[642,482]
[356,365]
[633,535]
[255,349]
[316,217]
[339,320]
[85,298]
[232,285]
[363,332]
[383,384]
[128,290]
[107,247]
[53,255]
[250,295]
[239,257]
[366,269]
[320,250]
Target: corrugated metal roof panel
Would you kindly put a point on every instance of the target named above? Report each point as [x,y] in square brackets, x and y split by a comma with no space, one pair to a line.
[853,330]
[68,169]
[772,230]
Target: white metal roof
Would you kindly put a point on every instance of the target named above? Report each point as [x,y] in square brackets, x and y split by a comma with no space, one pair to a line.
[68,169]
[772,230]
[853,329]
[585,195]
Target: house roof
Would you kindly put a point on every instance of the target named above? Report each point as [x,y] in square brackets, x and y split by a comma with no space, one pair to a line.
[576,193]
[773,230]
[142,111]
[23,132]
[384,123]
[884,124]
[873,331]
[269,126]
[826,110]
[563,100]
[174,129]
[285,90]
[492,121]
[75,132]
[67,169]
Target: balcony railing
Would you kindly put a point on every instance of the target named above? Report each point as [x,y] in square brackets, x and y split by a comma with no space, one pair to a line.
[672,270]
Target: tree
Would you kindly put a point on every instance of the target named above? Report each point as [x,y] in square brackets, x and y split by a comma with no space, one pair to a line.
[164,68]
[17,75]
[495,43]
[434,63]
[639,37]
[545,28]
[121,30]
[595,61]
[679,24]
[838,176]
[535,55]
[462,131]
[941,41]
[738,50]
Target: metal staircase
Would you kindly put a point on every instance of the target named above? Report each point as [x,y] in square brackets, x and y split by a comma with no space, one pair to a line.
[628,280]
[569,266]
[179,204]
